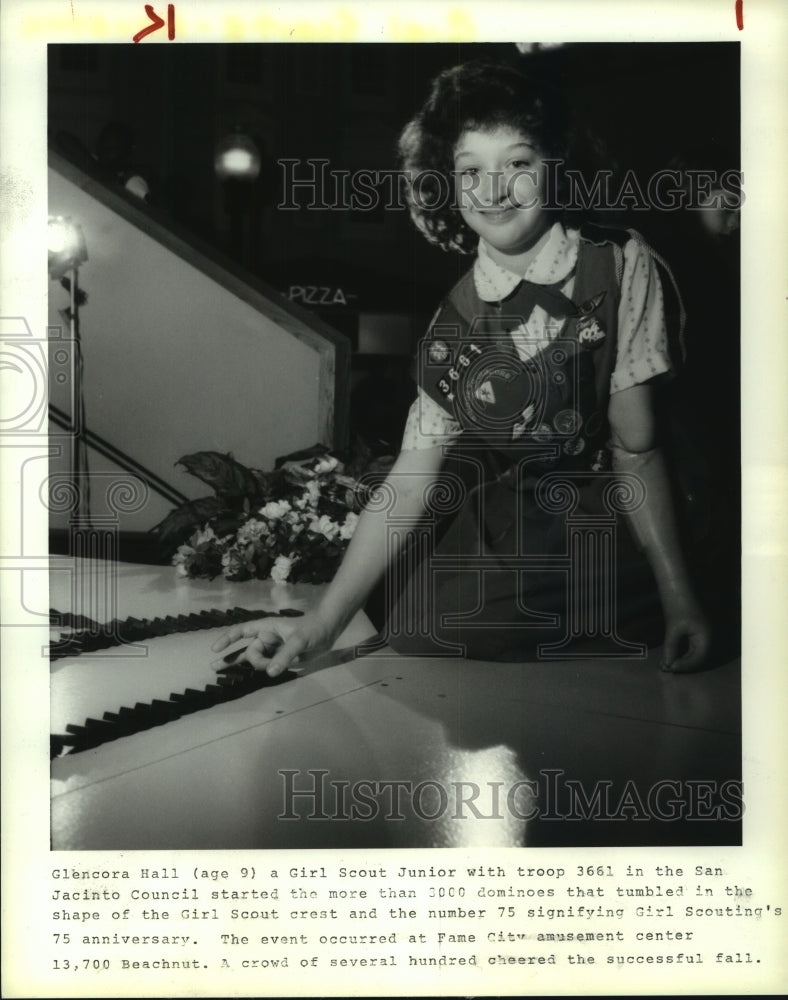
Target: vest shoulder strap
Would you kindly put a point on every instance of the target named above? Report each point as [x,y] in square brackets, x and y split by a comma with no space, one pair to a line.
[463,297]
[675,316]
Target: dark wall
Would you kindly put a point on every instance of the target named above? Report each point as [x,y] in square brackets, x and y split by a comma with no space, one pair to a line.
[639,105]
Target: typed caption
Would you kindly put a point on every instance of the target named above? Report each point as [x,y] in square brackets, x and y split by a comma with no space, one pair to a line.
[400,921]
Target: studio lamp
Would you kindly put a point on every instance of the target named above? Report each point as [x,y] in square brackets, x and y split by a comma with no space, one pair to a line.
[66,246]
[67,251]
[237,162]
[236,157]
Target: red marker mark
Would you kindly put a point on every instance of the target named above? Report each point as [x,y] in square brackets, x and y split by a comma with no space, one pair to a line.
[157,22]
[740,14]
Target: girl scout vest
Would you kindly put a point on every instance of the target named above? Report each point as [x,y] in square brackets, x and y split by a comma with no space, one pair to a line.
[547,411]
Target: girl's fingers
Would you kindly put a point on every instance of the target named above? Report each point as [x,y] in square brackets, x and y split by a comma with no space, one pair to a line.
[265,636]
[698,641]
[259,652]
[695,655]
[233,634]
[669,651]
[286,654]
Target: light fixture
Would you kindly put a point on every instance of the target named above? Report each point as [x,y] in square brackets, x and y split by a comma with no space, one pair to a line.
[529,48]
[66,245]
[237,157]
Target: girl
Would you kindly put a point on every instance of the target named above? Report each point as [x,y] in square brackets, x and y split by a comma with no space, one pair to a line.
[535,376]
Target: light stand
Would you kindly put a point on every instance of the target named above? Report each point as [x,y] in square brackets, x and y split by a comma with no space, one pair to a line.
[67,250]
[237,163]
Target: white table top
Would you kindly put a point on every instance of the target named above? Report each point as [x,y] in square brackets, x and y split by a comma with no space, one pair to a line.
[214,779]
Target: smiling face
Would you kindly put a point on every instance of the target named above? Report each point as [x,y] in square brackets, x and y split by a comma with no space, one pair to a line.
[501,183]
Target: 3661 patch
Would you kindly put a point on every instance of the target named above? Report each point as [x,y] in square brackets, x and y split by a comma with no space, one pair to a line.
[448,383]
[494,389]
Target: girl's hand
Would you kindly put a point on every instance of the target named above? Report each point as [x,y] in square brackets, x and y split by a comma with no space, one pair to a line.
[687,629]
[276,642]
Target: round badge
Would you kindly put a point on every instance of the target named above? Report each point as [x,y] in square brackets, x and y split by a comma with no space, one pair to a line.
[567,422]
[494,391]
[589,332]
[439,352]
[574,446]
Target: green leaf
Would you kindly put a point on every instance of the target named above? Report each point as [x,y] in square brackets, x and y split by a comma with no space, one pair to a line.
[227,522]
[316,451]
[229,479]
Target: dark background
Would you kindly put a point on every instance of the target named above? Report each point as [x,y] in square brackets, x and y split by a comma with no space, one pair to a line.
[636,106]
[640,104]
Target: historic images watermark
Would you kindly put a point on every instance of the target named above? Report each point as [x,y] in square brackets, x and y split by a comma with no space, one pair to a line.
[310,794]
[34,435]
[312,184]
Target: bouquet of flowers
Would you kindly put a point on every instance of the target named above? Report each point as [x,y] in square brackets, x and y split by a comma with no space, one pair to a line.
[292,524]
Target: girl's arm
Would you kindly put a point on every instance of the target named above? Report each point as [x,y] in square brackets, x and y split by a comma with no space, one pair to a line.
[635,450]
[281,640]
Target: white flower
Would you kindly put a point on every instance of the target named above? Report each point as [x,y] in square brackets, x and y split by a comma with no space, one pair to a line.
[325,464]
[251,530]
[236,559]
[281,569]
[296,522]
[181,557]
[202,536]
[275,509]
[347,529]
[325,526]
[310,496]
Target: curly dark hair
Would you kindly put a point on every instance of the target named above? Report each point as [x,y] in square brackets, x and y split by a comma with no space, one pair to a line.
[475,95]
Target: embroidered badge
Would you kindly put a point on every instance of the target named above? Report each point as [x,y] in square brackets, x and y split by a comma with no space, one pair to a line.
[492,387]
[439,352]
[574,446]
[567,422]
[590,332]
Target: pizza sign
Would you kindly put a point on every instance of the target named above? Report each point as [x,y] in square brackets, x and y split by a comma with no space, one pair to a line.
[319,295]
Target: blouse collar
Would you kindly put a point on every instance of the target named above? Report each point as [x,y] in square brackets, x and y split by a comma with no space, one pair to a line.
[554,263]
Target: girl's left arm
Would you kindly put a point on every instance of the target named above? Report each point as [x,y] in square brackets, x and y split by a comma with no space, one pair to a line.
[634,447]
